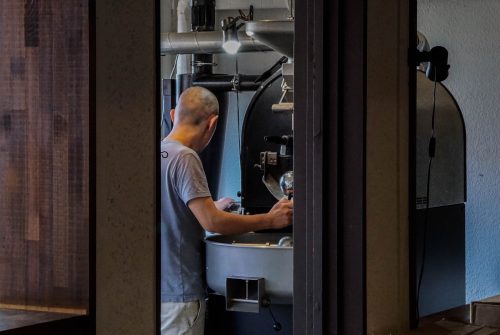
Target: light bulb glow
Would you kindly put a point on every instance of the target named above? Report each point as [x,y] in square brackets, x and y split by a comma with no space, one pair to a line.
[231,46]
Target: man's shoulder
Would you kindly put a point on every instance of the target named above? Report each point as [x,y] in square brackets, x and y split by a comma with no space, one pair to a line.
[176,149]
[179,156]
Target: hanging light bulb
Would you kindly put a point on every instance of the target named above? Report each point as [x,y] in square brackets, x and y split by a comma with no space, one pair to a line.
[230,41]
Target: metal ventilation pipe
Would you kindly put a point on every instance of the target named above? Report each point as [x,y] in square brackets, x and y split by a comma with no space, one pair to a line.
[205,42]
[183,23]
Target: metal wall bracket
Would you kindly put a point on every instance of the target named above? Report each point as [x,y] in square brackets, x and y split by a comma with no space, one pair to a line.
[244,294]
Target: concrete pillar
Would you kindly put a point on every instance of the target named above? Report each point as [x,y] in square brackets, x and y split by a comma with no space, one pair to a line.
[125,126]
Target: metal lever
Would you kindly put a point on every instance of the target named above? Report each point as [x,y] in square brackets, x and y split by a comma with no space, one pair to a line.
[286,184]
[276,139]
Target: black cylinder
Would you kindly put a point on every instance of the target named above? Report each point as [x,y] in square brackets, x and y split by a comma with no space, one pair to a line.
[202,64]
[184,81]
[203,15]
[211,157]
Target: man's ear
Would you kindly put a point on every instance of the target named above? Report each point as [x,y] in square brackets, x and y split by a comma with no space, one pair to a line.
[212,122]
[172,114]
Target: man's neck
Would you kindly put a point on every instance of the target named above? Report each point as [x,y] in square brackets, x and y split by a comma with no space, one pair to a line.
[185,136]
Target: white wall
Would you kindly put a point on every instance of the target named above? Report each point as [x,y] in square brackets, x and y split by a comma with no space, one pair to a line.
[469,30]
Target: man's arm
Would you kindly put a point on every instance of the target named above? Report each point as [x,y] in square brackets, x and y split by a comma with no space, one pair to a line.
[224,203]
[217,221]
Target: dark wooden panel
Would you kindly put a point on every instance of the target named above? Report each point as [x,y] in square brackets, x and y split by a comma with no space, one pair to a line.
[44,151]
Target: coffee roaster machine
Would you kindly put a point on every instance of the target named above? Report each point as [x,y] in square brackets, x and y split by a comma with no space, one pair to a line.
[250,276]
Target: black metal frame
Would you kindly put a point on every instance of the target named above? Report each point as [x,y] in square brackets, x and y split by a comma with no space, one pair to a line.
[329,228]
[158,110]
[412,160]
[330,103]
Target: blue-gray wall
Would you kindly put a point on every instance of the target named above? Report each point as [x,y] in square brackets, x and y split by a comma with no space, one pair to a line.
[469,30]
[248,64]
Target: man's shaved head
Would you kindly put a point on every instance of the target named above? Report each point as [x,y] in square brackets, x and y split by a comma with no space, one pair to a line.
[195,105]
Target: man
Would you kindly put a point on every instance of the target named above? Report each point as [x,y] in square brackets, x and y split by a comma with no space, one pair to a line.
[188,209]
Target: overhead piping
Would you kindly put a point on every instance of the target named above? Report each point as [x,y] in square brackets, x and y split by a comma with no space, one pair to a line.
[205,42]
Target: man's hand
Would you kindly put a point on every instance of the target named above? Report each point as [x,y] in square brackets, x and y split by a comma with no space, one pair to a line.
[224,203]
[216,221]
[281,214]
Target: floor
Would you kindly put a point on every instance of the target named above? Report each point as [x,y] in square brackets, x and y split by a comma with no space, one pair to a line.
[11,319]
[454,321]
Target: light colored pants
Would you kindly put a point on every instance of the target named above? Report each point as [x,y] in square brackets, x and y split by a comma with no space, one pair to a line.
[183,318]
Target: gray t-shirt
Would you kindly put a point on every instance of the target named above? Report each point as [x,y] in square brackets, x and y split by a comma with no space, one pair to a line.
[182,256]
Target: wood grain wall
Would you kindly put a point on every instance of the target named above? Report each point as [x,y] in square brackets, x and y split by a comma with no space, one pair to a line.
[44,157]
